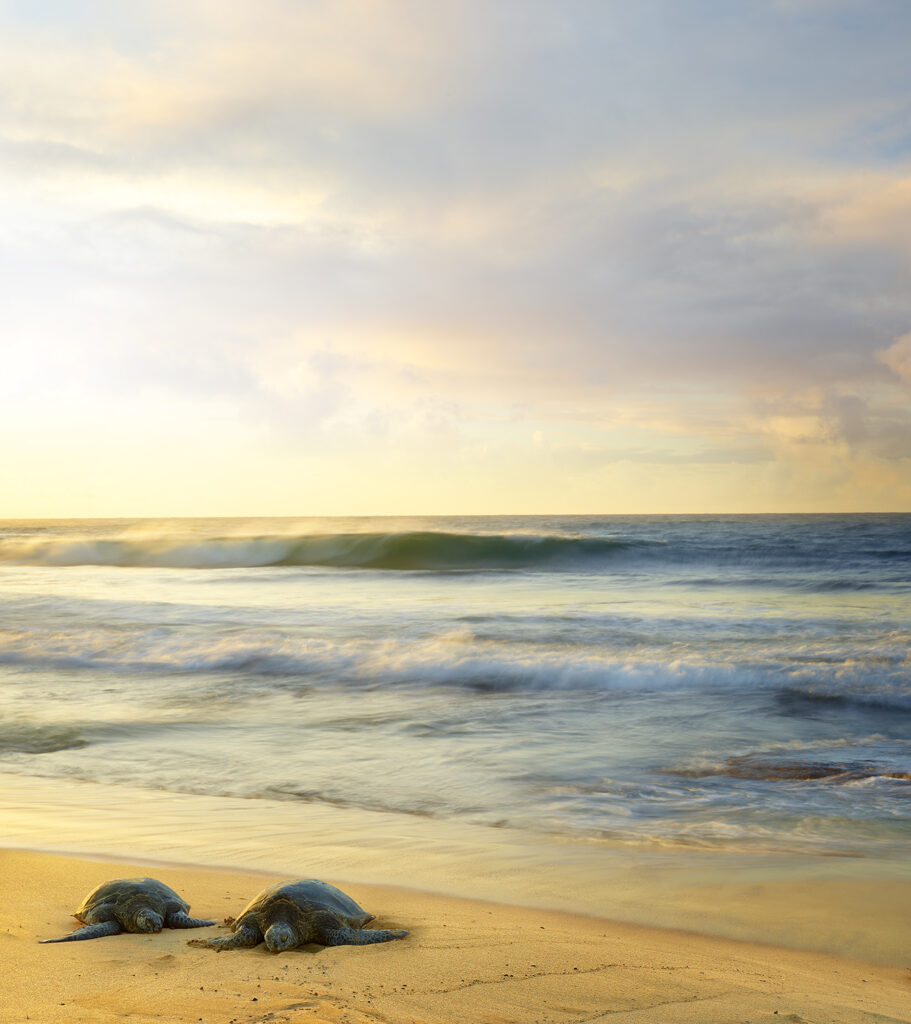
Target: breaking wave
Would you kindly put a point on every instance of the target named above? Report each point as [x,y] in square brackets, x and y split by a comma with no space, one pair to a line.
[409,551]
[279,659]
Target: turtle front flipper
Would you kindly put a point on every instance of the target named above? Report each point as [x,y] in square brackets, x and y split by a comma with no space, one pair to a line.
[245,936]
[342,936]
[90,931]
[178,919]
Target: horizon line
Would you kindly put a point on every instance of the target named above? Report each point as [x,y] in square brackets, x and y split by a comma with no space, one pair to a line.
[440,515]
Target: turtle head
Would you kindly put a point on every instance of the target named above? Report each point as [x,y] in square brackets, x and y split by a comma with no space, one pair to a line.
[147,920]
[280,937]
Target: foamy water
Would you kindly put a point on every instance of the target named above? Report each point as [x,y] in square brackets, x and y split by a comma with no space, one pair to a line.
[735,682]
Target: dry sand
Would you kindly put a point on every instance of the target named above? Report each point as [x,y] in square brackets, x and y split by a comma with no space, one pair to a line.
[465,961]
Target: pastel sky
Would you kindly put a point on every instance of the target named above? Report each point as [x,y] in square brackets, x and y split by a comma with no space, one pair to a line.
[462,256]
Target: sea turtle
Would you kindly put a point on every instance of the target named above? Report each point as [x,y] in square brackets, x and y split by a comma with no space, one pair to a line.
[130,905]
[291,914]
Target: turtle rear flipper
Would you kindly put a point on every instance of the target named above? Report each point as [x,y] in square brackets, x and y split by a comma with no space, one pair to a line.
[90,931]
[358,936]
[243,938]
[178,919]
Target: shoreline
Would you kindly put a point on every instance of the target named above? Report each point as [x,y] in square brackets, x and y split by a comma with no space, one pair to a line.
[854,907]
[464,960]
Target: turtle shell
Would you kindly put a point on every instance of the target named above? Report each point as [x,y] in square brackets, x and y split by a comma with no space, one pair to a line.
[120,893]
[309,897]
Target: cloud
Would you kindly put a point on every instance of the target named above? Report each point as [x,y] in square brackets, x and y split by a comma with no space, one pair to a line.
[898,357]
[354,220]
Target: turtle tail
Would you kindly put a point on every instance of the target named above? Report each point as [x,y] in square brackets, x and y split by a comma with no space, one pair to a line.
[90,931]
[180,920]
[359,936]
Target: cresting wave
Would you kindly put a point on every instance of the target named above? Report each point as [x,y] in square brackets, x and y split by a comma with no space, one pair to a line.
[414,550]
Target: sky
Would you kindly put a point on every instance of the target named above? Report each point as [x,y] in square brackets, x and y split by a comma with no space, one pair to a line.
[314,257]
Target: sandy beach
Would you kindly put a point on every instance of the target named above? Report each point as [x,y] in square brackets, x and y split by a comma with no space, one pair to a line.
[464,960]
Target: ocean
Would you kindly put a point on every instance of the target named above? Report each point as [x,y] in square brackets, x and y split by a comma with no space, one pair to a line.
[720,682]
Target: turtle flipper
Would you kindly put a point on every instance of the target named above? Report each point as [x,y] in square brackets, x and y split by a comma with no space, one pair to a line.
[179,919]
[90,931]
[358,936]
[243,938]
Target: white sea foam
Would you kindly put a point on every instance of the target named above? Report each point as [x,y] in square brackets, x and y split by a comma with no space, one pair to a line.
[453,659]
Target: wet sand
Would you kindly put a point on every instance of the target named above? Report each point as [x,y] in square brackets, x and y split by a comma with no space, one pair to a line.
[464,961]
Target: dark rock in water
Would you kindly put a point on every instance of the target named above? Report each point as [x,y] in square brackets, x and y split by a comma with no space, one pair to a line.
[773,770]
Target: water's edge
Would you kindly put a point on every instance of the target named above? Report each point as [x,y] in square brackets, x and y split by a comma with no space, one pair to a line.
[848,906]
